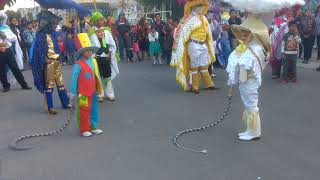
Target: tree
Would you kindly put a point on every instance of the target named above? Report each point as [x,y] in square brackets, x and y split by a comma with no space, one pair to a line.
[6,2]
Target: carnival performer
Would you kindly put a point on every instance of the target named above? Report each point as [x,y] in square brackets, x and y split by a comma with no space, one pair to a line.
[102,38]
[7,60]
[279,28]
[86,86]
[245,67]
[193,49]
[247,61]
[46,61]
[13,42]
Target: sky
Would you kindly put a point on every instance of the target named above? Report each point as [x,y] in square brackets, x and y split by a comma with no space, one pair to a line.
[21,4]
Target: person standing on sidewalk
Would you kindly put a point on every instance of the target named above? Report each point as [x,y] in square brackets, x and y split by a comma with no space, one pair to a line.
[29,35]
[317,32]
[308,25]
[122,27]
[289,50]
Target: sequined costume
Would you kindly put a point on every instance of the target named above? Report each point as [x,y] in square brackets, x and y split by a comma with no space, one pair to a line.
[46,62]
[193,49]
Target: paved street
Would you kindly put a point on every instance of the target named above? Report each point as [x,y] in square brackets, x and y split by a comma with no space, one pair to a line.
[150,109]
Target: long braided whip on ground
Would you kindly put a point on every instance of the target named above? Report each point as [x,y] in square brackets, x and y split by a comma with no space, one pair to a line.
[14,144]
[203,128]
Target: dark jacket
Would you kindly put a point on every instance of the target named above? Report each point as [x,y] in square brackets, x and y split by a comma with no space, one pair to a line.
[236,21]
[122,27]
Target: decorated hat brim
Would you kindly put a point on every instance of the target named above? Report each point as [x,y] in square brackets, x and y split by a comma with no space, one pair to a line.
[258,29]
[93,48]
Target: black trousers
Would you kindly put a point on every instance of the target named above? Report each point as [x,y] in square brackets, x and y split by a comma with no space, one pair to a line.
[318,46]
[167,54]
[104,65]
[308,46]
[7,59]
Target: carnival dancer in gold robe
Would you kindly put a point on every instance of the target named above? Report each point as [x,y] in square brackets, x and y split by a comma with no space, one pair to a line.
[46,61]
[193,49]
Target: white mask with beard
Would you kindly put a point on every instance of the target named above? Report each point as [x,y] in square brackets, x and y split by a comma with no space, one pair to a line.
[196,10]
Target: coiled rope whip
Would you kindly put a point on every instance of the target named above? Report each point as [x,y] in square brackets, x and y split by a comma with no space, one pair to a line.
[203,128]
[14,144]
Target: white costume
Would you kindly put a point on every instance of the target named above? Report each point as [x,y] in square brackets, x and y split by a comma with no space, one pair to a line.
[248,60]
[109,92]
[245,69]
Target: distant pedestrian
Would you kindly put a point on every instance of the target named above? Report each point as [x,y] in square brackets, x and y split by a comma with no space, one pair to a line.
[135,42]
[234,19]
[143,31]
[122,27]
[317,32]
[154,46]
[70,49]
[167,44]
[308,25]
[128,46]
[29,35]
[290,50]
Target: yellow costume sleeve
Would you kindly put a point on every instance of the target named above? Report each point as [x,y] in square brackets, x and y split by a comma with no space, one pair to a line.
[51,54]
[99,85]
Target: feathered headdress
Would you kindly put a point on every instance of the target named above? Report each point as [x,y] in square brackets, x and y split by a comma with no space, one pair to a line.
[260,11]
[214,12]
[263,6]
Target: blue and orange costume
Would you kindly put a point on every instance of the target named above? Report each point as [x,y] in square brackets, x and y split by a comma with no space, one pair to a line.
[46,61]
[86,85]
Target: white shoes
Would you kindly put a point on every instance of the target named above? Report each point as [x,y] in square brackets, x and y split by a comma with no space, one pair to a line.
[97,131]
[86,134]
[243,133]
[253,127]
[249,137]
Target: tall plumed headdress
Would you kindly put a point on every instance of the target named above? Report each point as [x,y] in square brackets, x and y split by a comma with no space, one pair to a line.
[261,13]
[189,4]
[214,12]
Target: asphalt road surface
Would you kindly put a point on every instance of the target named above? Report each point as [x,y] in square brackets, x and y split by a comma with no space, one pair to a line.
[150,109]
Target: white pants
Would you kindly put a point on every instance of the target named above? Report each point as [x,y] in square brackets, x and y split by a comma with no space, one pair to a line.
[109,90]
[249,94]
[199,55]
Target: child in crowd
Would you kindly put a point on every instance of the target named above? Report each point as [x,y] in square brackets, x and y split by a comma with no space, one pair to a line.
[86,86]
[70,49]
[128,46]
[62,49]
[135,42]
[290,51]
[167,44]
[154,46]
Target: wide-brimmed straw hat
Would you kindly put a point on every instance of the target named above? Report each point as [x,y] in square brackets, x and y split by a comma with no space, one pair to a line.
[257,27]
